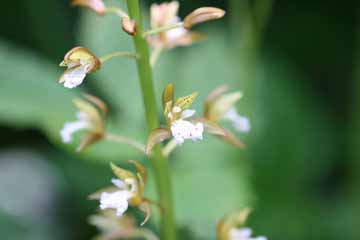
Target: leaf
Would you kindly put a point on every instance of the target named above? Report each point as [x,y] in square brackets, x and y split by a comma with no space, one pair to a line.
[156,136]
[32,98]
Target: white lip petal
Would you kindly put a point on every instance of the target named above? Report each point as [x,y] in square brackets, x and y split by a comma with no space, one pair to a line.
[176,109]
[117,200]
[243,234]
[119,183]
[187,113]
[175,33]
[74,77]
[182,130]
[240,123]
[70,128]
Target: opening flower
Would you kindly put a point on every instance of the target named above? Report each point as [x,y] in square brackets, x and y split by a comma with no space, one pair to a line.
[79,62]
[221,106]
[97,6]
[228,227]
[163,15]
[90,117]
[128,190]
[179,124]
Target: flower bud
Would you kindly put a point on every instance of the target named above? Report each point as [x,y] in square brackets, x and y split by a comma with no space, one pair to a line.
[128,26]
[201,15]
[96,5]
[79,62]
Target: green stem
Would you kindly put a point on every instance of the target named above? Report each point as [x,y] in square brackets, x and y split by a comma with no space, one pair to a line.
[163,29]
[124,140]
[169,147]
[159,162]
[117,54]
[118,11]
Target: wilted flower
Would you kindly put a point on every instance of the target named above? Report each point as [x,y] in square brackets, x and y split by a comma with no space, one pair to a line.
[129,189]
[229,228]
[220,106]
[97,6]
[163,15]
[90,117]
[79,62]
[113,227]
[176,115]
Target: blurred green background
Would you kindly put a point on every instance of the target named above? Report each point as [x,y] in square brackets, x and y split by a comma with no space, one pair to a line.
[300,78]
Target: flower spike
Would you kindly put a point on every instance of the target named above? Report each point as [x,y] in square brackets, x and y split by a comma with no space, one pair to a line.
[79,62]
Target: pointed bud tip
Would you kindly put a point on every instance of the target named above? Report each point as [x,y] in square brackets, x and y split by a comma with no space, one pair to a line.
[201,15]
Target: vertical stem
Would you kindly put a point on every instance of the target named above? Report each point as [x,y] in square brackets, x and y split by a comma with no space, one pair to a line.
[159,162]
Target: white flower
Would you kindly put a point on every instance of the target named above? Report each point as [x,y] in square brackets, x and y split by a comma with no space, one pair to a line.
[176,33]
[243,234]
[70,128]
[74,76]
[240,123]
[118,200]
[182,130]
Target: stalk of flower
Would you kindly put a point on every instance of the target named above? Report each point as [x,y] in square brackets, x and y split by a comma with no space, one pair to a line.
[112,227]
[91,117]
[179,126]
[99,7]
[168,31]
[80,62]
[220,106]
[128,190]
[229,228]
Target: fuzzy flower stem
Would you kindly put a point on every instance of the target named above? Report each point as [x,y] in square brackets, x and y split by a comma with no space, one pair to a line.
[169,147]
[118,11]
[117,54]
[160,163]
[163,29]
[125,140]
[155,55]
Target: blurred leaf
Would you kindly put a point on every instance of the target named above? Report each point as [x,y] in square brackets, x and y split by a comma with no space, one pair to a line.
[30,96]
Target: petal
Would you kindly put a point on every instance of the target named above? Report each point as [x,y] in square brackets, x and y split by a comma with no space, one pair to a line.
[187,113]
[156,136]
[119,183]
[70,128]
[74,77]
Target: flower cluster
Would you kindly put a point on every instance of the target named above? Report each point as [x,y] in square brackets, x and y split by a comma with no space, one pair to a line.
[167,31]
